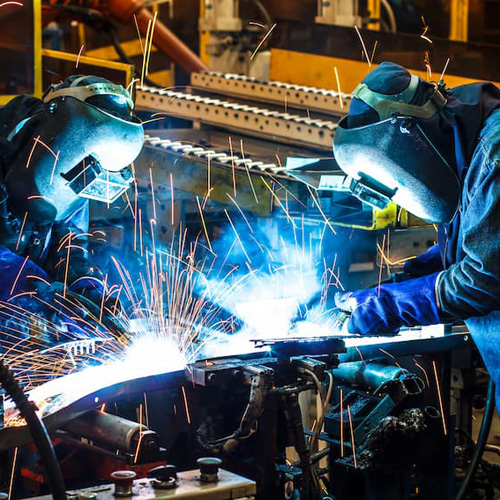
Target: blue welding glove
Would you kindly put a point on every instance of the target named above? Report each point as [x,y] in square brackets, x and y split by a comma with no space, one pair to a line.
[426,263]
[386,308]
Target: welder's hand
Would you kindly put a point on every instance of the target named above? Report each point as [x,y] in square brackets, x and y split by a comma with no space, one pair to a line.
[426,263]
[386,308]
[95,290]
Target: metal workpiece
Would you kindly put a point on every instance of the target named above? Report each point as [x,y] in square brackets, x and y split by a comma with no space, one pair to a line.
[279,93]
[254,121]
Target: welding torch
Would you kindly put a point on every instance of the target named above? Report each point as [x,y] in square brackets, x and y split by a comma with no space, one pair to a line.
[339,319]
[110,322]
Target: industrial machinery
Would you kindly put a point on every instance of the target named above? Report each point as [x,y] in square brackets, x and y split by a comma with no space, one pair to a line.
[384,404]
[237,180]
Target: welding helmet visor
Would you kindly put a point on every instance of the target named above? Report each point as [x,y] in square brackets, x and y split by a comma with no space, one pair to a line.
[77,151]
[394,160]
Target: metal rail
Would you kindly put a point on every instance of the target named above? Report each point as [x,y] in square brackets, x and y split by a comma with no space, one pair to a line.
[280,93]
[251,120]
[201,153]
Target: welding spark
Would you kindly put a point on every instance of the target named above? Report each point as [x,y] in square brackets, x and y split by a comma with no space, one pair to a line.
[186,407]
[424,372]
[14,463]
[150,48]
[138,33]
[338,88]
[374,49]
[368,60]
[145,53]
[318,205]
[79,55]
[232,165]
[266,36]
[21,231]
[166,318]
[172,206]
[441,406]
[18,275]
[427,62]
[386,353]
[426,29]
[254,23]
[4,4]
[444,70]
[35,142]
[352,437]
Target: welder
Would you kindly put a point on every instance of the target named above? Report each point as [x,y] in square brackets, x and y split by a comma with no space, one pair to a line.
[435,152]
[57,153]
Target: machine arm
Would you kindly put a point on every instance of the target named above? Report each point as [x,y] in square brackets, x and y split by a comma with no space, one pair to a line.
[124,11]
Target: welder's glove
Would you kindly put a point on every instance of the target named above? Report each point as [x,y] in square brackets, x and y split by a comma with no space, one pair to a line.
[95,290]
[386,308]
[426,263]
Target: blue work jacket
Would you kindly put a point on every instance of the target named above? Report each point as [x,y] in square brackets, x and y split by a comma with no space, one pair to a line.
[469,286]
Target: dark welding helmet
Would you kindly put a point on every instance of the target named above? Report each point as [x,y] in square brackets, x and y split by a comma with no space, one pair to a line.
[80,143]
[395,145]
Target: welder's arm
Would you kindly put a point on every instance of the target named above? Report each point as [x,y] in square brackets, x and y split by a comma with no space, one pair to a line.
[386,308]
[471,287]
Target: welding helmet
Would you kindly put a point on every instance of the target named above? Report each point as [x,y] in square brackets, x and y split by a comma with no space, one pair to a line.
[76,145]
[396,144]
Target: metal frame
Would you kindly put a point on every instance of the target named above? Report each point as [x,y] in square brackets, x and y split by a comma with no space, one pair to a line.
[250,120]
[37,54]
[128,69]
[280,93]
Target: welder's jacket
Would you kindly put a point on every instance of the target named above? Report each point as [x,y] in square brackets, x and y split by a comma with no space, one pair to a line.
[469,286]
[24,236]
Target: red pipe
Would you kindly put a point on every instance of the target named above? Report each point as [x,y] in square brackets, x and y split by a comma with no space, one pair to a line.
[123,11]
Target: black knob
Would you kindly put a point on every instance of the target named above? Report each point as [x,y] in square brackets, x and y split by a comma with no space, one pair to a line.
[164,476]
[209,469]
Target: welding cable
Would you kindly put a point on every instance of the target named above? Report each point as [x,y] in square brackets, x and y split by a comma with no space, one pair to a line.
[324,406]
[482,439]
[319,421]
[39,433]
[316,457]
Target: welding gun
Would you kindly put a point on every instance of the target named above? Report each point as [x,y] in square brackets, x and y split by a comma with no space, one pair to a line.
[109,321]
[70,302]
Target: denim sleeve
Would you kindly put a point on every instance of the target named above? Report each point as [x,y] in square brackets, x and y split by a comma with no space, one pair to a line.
[471,287]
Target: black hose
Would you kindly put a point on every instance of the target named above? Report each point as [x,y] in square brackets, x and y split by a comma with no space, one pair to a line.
[482,439]
[27,410]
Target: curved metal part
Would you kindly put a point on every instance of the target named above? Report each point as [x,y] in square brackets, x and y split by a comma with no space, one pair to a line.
[19,436]
[367,374]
